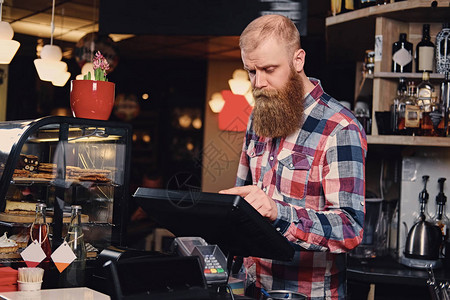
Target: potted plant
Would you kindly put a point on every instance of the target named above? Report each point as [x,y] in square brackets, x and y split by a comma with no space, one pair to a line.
[93,99]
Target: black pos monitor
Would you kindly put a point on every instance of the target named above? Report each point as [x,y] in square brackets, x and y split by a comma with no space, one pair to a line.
[226,220]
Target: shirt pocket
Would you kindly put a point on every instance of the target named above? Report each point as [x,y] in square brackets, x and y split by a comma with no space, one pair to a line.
[255,153]
[294,168]
[255,148]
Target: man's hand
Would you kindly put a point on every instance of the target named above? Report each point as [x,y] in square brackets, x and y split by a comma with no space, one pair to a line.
[257,198]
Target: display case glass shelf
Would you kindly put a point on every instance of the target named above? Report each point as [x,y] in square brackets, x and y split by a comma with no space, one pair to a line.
[64,161]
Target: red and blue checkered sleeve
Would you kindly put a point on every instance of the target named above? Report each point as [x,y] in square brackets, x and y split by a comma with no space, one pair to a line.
[338,225]
[244,176]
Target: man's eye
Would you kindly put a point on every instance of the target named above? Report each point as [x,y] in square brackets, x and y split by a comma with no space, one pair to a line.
[270,70]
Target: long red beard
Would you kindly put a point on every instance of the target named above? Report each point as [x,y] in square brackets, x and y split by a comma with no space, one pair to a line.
[278,113]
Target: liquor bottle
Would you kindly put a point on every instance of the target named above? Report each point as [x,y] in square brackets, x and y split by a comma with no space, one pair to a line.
[395,107]
[73,275]
[440,218]
[402,55]
[40,233]
[436,116]
[367,3]
[425,91]
[443,49]
[336,7]
[409,112]
[425,52]
[347,5]
[445,100]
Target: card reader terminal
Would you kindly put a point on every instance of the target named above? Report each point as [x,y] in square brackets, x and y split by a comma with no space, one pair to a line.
[212,258]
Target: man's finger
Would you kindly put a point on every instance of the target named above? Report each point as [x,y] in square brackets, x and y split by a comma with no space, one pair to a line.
[242,191]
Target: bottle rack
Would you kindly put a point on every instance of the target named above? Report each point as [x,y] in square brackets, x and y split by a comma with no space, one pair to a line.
[386,22]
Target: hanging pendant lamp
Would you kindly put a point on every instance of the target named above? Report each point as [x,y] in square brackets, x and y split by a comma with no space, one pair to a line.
[8,46]
[50,67]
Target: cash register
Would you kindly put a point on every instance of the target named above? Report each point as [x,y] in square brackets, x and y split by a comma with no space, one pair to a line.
[210,230]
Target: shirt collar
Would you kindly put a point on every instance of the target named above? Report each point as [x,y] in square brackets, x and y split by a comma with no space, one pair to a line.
[315,94]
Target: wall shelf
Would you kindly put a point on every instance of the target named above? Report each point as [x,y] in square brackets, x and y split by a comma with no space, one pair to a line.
[405,140]
[406,75]
[351,34]
[406,11]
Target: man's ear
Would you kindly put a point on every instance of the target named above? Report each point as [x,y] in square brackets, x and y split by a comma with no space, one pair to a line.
[299,60]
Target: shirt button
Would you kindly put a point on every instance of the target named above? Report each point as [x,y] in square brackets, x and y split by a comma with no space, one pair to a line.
[278,228]
[362,203]
[265,189]
[291,165]
[253,153]
[271,158]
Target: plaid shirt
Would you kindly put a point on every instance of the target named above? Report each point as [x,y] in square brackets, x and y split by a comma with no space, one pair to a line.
[316,177]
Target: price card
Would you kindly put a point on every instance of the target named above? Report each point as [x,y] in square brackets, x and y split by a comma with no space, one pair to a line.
[33,254]
[378,47]
[63,256]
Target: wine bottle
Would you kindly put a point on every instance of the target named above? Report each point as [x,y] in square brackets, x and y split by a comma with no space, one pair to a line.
[425,52]
[40,233]
[74,275]
[402,55]
[443,49]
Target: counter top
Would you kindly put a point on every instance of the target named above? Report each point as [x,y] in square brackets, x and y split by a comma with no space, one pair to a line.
[389,271]
[79,293]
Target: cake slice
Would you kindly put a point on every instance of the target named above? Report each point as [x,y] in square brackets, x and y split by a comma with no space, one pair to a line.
[7,245]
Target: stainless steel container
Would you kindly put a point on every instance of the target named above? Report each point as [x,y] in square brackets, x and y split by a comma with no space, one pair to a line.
[282,295]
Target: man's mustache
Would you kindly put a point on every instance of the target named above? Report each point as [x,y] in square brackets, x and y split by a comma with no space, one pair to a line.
[261,93]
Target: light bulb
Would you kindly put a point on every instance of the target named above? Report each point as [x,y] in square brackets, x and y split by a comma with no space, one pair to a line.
[216,103]
[8,47]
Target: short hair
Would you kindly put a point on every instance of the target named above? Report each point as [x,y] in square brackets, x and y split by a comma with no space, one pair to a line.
[277,26]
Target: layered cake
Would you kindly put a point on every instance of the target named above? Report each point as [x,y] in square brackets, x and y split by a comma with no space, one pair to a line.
[48,171]
[7,245]
[20,207]
[21,238]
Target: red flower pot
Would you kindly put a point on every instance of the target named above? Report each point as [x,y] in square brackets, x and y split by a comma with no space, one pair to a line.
[91,99]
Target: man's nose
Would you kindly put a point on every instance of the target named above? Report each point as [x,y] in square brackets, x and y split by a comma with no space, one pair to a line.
[260,80]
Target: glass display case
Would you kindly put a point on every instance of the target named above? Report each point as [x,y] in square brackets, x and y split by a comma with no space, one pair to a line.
[62,161]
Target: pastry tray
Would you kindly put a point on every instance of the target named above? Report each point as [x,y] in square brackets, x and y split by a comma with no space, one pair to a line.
[19,218]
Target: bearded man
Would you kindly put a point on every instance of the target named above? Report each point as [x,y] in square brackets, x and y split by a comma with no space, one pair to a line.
[301,167]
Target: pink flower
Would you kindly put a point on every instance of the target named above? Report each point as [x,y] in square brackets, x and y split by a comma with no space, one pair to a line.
[101,63]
